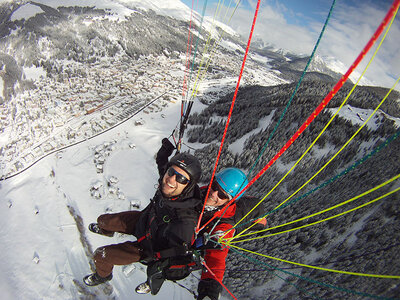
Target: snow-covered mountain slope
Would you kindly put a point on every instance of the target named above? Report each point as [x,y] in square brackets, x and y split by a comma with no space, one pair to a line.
[324,177]
[122,8]
[45,242]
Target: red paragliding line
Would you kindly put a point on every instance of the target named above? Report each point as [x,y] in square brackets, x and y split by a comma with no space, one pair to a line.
[231,109]
[394,7]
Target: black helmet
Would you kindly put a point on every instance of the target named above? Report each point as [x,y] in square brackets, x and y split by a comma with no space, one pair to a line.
[189,163]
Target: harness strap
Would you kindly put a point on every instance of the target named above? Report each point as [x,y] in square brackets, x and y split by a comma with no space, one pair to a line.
[171,252]
[147,235]
[192,264]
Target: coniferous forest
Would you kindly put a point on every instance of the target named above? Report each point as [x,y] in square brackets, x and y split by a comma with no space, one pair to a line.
[362,241]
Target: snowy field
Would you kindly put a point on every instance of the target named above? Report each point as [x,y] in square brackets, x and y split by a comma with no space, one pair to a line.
[42,252]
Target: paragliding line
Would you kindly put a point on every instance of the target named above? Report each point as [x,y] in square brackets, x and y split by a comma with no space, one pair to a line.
[230,113]
[295,90]
[220,281]
[320,268]
[321,106]
[326,210]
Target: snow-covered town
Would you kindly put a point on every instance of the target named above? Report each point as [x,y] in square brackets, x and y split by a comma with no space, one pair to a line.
[61,100]
[85,99]
[64,110]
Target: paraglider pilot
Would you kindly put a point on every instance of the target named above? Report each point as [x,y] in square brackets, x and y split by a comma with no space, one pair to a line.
[164,229]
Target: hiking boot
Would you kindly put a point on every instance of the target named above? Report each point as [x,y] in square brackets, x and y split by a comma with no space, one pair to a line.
[94,227]
[95,279]
[143,288]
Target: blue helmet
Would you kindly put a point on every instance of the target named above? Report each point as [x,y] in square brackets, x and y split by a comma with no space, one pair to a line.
[232,181]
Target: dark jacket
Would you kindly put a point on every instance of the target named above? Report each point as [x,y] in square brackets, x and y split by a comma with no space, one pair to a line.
[167,222]
[166,225]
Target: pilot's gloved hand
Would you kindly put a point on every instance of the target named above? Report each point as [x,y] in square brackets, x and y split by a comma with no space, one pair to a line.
[209,289]
[168,146]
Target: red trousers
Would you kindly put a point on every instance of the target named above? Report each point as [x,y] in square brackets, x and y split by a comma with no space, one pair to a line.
[106,257]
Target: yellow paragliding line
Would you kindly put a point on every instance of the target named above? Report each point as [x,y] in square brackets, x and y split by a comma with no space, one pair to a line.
[210,57]
[320,268]
[323,167]
[324,211]
[323,130]
[341,106]
[209,36]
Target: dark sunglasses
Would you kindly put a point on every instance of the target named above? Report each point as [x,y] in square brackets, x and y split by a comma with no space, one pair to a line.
[178,176]
[221,193]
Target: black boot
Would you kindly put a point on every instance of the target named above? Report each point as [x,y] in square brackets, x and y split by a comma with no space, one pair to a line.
[94,227]
[95,279]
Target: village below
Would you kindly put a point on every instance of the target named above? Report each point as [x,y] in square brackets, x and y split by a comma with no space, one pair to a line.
[58,113]
[69,101]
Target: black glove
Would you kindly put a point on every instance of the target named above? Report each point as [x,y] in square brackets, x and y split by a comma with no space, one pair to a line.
[162,156]
[155,275]
[209,287]
[202,244]
[168,146]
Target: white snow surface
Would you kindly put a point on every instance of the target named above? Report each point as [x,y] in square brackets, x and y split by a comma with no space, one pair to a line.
[34,73]
[172,8]
[1,86]
[42,253]
[238,146]
[358,116]
[25,12]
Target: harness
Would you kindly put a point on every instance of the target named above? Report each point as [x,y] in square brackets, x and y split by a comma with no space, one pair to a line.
[183,251]
[174,251]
